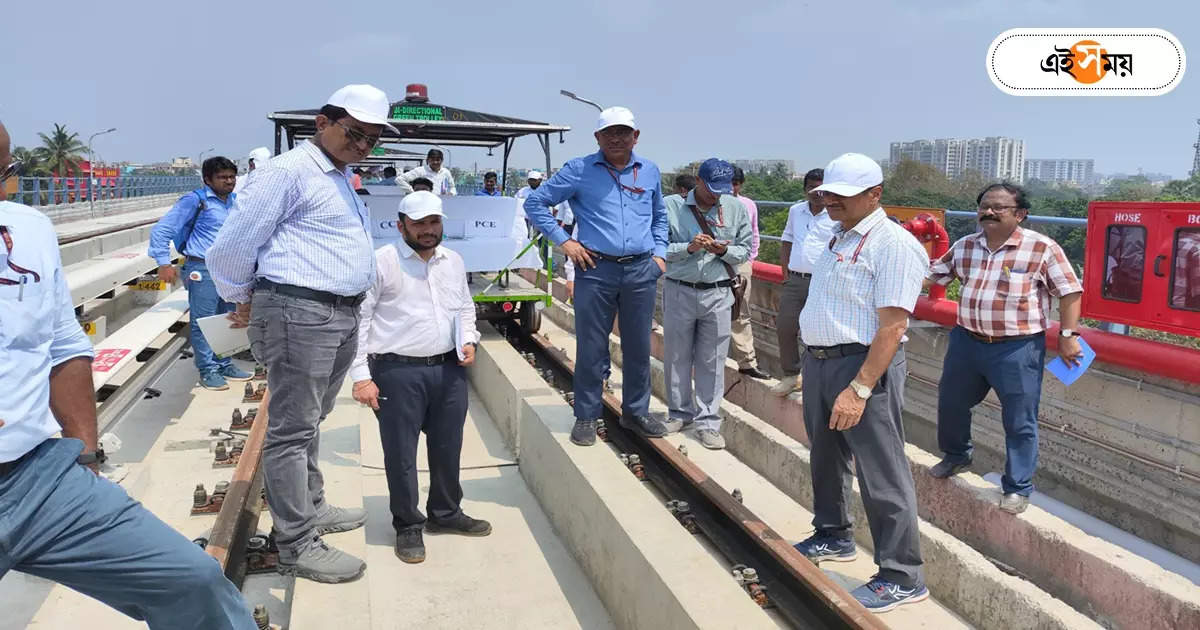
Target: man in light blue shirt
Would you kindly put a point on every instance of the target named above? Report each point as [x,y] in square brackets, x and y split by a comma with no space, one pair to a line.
[61,521]
[616,197]
[698,298]
[490,189]
[192,224]
[299,250]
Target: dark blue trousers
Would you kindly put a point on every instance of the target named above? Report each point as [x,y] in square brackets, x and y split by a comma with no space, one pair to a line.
[600,294]
[1014,370]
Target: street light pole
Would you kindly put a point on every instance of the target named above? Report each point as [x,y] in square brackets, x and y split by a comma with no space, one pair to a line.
[202,155]
[571,95]
[92,172]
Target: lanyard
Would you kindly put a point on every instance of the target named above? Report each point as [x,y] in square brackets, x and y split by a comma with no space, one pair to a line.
[612,172]
[854,257]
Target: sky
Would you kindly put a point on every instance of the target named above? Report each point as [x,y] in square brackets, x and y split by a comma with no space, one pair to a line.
[797,80]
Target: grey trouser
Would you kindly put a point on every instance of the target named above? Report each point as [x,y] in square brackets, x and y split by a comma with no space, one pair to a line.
[307,348]
[695,343]
[787,322]
[877,445]
[741,341]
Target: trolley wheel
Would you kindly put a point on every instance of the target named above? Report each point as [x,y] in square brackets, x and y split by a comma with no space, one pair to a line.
[530,317]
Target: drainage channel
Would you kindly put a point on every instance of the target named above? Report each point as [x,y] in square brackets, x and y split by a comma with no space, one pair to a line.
[771,572]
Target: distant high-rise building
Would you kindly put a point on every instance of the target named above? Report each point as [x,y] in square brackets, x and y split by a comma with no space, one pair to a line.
[1078,172]
[768,166]
[1196,157]
[994,157]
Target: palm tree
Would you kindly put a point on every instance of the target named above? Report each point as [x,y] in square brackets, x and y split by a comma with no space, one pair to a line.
[31,162]
[61,151]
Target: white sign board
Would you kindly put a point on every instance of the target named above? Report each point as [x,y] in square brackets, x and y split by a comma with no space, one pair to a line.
[485,231]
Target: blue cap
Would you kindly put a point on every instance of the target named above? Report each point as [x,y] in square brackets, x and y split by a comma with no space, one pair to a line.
[717,176]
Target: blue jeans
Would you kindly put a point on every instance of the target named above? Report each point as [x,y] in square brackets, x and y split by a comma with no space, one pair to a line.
[1014,370]
[203,301]
[60,522]
[601,293]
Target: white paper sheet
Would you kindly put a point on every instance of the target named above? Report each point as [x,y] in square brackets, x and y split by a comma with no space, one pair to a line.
[224,341]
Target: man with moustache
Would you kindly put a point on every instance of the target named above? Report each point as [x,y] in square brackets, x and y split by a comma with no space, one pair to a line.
[864,286]
[1008,275]
[299,250]
[416,335]
[616,196]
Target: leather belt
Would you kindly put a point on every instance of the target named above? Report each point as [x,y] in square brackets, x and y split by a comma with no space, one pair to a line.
[1001,339]
[309,294]
[195,259]
[798,274]
[436,359]
[7,467]
[620,260]
[703,285]
[833,352]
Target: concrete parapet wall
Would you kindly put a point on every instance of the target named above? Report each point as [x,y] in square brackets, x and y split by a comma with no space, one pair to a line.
[646,569]
[1109,584]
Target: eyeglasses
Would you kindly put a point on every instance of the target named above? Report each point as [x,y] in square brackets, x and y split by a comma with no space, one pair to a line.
[996,209]
[358,137]
[11,170]
[22,271]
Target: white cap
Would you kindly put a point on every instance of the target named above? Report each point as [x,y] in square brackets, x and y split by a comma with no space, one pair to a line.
[614,116]
[535,175]
[260,155]
[850,174]
[420,204]
[364,103]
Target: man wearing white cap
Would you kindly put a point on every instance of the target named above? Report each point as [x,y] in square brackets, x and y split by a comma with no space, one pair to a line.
[258,157]
[616,197]
[864,286]
[300,251]
[416,335]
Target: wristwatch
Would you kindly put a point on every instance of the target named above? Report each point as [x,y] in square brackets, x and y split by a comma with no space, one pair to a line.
[1067,332]
[96,457]
[860,390]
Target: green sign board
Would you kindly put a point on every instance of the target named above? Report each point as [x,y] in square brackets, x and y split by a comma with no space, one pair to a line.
[378,151]
[409,111]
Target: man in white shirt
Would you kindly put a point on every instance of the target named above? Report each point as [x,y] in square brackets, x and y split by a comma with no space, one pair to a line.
[416,335]
[442,178]
[806,235]
[258,157]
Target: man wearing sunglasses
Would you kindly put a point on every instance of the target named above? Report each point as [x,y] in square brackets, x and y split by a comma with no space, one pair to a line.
[61,521]
[299,250]
[616,196]
[1008,276]
[864,286]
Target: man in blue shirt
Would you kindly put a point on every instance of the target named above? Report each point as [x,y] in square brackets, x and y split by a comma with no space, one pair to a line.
[61,521]
[619,256]
[192,224]
[490,189]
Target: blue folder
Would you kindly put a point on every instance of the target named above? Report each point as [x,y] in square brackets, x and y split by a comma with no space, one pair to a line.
[1069,374]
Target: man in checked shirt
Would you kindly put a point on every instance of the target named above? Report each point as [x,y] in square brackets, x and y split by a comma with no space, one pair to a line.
[1008,275]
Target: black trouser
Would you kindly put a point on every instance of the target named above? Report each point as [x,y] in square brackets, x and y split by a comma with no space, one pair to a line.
[876,445]
[429,398]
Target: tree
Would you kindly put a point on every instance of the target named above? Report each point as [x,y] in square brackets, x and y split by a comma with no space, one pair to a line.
[1181,190]
[1137,188]
[61,151]
[31,164]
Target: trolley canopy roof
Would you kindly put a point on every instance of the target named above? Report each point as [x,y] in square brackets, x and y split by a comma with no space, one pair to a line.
[428,123]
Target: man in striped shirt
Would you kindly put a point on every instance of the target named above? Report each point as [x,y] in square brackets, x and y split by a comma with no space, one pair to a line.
[864,286]
[1008,275]
[299,249]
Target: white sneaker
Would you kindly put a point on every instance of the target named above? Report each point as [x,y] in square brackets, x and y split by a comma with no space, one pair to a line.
[786,385]
[710,439]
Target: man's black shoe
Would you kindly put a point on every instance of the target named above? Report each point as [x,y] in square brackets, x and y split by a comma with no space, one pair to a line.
[584,432]
[410,547]
[754,372]
[646,426]
[948,468]
[462,524]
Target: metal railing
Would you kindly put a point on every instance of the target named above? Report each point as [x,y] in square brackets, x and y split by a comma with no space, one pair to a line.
[42,192]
